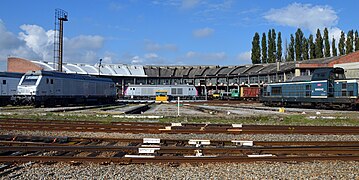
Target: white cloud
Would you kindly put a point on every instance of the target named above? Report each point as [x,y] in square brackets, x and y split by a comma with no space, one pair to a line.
[83,48]
[34,42]
[218,56]
[189,4]
[204,32]
[191,54]
[11,45]
[38,40]
[152,46]
[334,32]
[109,57]
[136,60]
[85,42]
[244,57]
[151,56]
[306,16]
[115,6]
[8,40]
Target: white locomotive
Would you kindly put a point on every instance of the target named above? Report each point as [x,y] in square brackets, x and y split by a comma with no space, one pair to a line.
[151,91]
[54,88]
[8,86]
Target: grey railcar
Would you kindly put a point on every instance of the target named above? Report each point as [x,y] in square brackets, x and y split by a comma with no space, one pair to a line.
[149,91]
[55,88]
[8,86]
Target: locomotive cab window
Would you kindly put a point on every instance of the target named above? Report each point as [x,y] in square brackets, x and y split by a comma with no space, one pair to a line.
[30,80]
[161,93]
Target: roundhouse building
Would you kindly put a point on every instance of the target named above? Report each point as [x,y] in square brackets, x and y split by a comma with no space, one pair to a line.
[205,78]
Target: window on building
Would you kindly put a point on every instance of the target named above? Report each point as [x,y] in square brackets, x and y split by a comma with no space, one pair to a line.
[4,81]
[52,81]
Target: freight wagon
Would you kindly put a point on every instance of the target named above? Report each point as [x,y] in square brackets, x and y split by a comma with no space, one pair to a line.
[243,93]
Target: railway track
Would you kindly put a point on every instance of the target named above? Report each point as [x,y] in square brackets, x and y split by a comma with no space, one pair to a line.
[22,149]
[170,128]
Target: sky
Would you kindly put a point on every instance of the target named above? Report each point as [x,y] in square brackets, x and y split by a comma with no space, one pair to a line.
[162,32]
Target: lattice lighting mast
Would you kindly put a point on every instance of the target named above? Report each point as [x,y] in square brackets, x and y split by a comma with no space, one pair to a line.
[60,17]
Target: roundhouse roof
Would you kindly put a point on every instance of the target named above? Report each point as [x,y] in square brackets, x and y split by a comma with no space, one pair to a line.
[106,69]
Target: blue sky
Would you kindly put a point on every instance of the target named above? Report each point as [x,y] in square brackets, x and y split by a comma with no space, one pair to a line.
[161,32]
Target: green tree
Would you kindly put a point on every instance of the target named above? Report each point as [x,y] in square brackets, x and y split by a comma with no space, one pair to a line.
[298,45]
[334,49]
[326,43]
[274,53]
[270,46]
[256,50]
[305,49]
[319,45]
[291,49]
[356,39]
[341,44]
[279,47]
[264,48]
[311,47]
[349,43]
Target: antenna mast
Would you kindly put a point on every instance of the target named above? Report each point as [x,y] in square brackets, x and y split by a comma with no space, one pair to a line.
[60,17]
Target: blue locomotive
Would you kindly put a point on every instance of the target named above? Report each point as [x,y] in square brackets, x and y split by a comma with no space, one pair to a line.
[325,88]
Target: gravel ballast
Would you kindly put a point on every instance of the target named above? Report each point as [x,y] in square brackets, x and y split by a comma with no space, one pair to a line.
[262,170]
[258,170]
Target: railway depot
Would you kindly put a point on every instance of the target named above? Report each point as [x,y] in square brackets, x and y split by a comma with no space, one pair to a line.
[205,78]
[191,136]
[296,119]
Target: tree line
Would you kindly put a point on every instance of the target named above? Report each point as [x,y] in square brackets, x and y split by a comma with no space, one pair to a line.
[301,48]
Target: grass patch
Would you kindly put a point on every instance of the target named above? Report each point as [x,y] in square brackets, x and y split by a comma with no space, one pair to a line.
[259,120]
